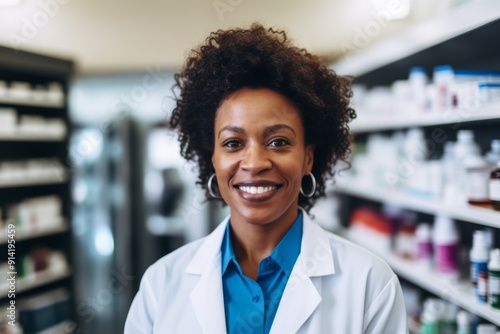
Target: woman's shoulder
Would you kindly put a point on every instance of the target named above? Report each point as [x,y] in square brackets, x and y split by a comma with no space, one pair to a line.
[351,257]
[173,262]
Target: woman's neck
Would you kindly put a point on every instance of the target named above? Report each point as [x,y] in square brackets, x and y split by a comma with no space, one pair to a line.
[254,242]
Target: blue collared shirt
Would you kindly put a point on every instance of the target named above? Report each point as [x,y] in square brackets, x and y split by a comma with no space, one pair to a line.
[250,306]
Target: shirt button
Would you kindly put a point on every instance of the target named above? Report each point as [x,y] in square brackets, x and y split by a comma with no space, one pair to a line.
[255,299]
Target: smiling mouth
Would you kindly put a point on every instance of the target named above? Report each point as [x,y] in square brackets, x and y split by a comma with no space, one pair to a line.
[254,190]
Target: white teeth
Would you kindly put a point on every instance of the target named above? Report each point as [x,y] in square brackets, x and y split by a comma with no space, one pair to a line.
[257,190]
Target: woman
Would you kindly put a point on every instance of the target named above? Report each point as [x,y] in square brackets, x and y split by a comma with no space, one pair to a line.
[265,123]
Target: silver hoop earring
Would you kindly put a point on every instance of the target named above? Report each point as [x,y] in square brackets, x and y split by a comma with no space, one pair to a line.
[313,190]
[209,186]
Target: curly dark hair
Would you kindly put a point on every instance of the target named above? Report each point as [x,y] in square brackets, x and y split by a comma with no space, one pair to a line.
[262,58]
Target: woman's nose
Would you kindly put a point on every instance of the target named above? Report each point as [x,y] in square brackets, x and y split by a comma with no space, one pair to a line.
[255,159]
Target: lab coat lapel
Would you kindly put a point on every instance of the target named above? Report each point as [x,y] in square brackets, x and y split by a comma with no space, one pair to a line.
[207,297]
[301,296]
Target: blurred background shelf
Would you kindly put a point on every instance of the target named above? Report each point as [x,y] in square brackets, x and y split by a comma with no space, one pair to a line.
[472,22]
[23,102]
[63,327]
[34,182]
[28,137]
[36,280]
[460,38]
[379,123]
[459,293]
[57,226]
[470,213]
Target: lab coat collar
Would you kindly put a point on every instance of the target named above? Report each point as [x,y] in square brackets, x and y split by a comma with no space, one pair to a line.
[299,299]
[207,297]
[316,252]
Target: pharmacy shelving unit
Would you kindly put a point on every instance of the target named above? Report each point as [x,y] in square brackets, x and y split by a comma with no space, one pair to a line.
[463,38]
[38,71]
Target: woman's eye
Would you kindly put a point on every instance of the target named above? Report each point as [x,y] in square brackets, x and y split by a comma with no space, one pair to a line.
[232,144]
[278,143]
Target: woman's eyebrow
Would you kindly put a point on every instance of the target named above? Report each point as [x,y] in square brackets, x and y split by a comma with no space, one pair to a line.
[267,131]
[231,128]
[273,128]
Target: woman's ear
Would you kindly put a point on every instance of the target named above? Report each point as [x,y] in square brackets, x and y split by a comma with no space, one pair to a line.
[309,158]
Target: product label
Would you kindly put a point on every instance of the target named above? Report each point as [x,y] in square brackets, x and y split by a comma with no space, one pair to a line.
[447,258]
[475,269]
[430,328]
[495,190]
[482,288]
[477,185]
[424,250]
[494,289]
[494,285]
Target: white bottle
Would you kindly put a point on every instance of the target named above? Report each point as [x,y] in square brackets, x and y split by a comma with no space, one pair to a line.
[423,236]
[415,149]
[415,154]
[463,323]
[449,171]
[431,315]
[477,179]
[418,82]
[466,145]
[486,329]
[446,242]
[448,323]
[464,148]
[479,256]
[493,156]
[443,79]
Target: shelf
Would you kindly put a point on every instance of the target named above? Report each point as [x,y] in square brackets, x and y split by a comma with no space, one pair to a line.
[36,280]
[41,104]
[38,182]
[421,36]
[62,327]
[29,137]
[473,214]
[373,123]
[458,293]
[58,226]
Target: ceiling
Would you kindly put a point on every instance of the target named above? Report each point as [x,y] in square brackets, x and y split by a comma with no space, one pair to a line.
[130,35]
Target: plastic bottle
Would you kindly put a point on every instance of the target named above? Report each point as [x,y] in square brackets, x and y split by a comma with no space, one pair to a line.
[415,154]
[448,323]
[418,82]
[446,240]
[477,179]
[448,163]
[464,148]
[479,256]
[423,236]
[494,188]
[486,329]
[493,156]
[463,323]
[494,279]
[465,145]
[443,78]
[431,316]
[415,149]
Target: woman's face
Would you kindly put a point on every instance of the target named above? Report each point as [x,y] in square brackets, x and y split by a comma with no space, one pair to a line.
[260,156]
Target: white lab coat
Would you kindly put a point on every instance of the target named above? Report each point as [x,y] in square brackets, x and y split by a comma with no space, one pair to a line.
[335,287]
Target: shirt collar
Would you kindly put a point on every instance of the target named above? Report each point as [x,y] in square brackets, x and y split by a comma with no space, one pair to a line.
[284,254]
[227,249]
